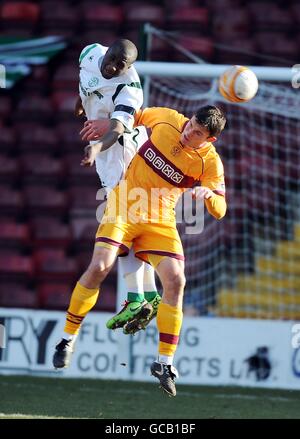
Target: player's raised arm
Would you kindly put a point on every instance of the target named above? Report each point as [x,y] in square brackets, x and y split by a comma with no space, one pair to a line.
[213,188]
[79,110]
[216,205]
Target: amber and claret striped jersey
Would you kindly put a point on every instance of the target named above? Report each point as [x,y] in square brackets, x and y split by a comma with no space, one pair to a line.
[163,162]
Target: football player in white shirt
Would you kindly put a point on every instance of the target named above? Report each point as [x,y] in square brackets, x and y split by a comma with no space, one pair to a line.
[110,88]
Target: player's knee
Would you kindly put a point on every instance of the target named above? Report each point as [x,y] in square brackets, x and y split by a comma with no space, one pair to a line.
[176,281]
[180,281]
[98,269]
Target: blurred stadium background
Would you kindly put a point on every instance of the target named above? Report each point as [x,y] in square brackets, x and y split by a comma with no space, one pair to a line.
[247,265]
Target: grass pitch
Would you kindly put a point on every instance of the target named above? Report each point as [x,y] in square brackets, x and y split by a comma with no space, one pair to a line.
[37,397]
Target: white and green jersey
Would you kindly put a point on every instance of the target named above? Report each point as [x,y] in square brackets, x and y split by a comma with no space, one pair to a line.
[116,98]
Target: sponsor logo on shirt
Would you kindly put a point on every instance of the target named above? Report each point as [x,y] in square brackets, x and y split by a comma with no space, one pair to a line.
[175,151]
[93,82]
[162,166]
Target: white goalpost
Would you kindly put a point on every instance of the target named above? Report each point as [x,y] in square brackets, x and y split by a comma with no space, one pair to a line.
[248,264]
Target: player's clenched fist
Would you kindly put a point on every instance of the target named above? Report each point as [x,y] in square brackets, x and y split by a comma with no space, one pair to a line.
[202,192]
[90,153]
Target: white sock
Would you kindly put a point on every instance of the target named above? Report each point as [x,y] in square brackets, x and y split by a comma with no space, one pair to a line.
[149,278]
[165,359]
[69,337]
[132,270]
[130,264]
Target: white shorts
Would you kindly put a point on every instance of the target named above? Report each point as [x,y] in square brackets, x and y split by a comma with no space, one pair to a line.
[112,164]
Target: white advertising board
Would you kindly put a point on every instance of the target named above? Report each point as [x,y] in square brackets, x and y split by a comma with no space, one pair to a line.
[212,351]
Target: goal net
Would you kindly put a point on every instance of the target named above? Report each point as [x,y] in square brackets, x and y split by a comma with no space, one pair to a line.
[247,264]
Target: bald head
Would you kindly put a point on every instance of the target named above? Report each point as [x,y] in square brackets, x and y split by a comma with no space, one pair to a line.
[118,58]
[125,48]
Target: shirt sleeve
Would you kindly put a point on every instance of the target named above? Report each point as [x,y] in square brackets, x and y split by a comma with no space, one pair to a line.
[149,117]
[128,100]
[213,178]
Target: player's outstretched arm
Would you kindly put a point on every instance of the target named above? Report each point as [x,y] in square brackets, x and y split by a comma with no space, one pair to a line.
[116,129]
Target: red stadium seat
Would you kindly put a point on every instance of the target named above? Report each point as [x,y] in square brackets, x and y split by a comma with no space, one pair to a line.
[52,265]
[277,45]
[84,229]
[295,12]
[173,5]
[160,49]
[50,232]
[66,77]
[5,107]
[83,198]
[243,50]
[34,108]
[37,138]
[223,5]
[85,241]
[37,82]
[200,46]
[105,36]
[13,235]
[101,15]
[65,104]
[40,168]
[11,201]
[83,256]
[67,33]
[24,29]
[56,14]
[80,175]
[137,14]
[16,295]
[189,19]
[54,295]
[68,135]
[14,266]
[269,17]
[21,11]
[107,297]
[64,101]
[7,139]
[231,24]
[45,201]
[9,169]
[19,19]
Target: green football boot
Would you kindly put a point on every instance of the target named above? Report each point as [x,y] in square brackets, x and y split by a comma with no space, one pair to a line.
[130,311]
[138,322]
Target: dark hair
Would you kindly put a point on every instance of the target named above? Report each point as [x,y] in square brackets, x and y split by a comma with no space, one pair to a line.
[212,118]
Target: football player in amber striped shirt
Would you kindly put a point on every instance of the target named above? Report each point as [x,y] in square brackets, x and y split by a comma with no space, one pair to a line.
[178,155]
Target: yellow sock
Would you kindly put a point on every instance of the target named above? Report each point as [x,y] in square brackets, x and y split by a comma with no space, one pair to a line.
[169,321]
[82,301]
